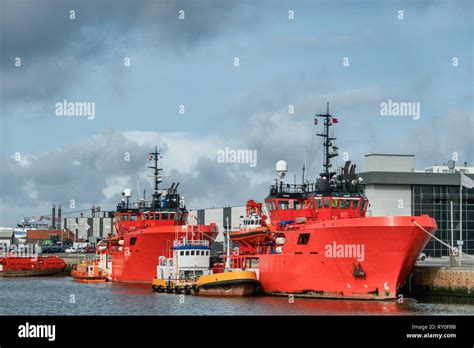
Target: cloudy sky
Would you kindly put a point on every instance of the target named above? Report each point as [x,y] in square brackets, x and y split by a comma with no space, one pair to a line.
[354,54]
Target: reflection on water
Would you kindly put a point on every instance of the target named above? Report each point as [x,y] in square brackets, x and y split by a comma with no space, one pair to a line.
[63,296]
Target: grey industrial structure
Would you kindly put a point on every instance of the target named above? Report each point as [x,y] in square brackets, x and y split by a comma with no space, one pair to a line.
[391,184]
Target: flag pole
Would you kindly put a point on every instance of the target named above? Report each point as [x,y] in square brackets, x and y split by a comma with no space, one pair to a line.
[452,260]
[460,220]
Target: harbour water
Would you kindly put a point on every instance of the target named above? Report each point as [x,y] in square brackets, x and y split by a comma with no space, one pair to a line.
[63,296]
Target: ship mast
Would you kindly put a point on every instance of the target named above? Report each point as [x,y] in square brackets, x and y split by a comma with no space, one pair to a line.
[328,122]
[158,179]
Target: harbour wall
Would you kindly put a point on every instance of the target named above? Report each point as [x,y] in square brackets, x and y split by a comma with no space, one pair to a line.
[450,283]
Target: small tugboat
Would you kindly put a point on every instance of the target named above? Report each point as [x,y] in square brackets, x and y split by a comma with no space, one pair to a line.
[89,272]
[188,272]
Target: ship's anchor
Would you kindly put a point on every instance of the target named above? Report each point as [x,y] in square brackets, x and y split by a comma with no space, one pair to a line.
[358,271]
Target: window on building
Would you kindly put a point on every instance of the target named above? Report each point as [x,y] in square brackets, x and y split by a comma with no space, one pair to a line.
[181,253]
[192,252]
[303,238]
[187,252]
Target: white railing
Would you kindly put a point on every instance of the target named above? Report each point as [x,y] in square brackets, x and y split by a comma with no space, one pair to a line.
[191,242]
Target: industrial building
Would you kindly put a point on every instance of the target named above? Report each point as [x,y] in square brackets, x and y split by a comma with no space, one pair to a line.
[92,228]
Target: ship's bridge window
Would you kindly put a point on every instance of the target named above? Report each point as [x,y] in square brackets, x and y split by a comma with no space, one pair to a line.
[319,203]
[187,252]
[192,252]
[363,206]
[335,202]
[164,216]
[172,215]
[355,204]
[345,203]
[133,217]
[297,205]
[283,205]
[270,206]
[181,253]
[125,217]
[146,216]
[326,202]
[303,238]
[152,216]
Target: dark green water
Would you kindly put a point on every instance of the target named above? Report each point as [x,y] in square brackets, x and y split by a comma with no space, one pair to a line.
[63,296]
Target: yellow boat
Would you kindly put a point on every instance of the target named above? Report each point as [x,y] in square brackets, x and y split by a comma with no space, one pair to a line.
[188,272]
[233,283]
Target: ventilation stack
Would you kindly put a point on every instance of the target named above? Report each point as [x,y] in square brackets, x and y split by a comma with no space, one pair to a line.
[59,216]
[53,217]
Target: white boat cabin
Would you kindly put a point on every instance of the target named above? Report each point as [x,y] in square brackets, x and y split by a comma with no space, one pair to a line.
[191,259]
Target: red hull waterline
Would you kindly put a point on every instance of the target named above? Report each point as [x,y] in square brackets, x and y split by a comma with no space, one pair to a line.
[391,246]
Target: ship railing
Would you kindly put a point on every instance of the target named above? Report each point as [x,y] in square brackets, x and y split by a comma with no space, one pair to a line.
[294,188]
[202,242]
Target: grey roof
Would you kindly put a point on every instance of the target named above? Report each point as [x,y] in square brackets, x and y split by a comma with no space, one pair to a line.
[389,154]
[412,178]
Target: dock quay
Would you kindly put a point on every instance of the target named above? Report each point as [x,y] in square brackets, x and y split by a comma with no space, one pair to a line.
[436,278]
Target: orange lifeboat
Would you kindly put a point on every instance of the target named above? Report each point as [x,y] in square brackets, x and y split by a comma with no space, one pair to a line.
[89,272]
[253,229]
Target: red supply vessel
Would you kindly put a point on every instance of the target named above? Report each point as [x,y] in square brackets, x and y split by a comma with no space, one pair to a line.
[12,266]
[144,231]
[320,243]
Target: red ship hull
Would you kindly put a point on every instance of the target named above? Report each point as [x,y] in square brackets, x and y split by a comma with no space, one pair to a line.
[391,246]
[30,266]
[136,260]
